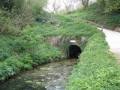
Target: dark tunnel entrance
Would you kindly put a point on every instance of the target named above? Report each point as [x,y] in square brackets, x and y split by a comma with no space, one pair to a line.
[74,51]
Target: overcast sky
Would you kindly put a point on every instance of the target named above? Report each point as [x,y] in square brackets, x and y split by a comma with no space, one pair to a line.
[61,4]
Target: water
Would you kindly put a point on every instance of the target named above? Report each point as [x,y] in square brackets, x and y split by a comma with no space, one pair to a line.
[50,76]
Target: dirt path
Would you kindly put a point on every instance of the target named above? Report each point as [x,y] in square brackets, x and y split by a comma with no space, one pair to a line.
[113,39]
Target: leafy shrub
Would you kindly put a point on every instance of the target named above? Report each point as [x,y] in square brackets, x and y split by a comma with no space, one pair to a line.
[4,51]
[69,27]
[29,39]
[37,9]
[12,65]
[109,5]
[11,4]
[11,22]
[5,47]
[45,53]
[5,71]
[26,61]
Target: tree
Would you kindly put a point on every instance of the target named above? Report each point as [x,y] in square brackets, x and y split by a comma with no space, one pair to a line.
[11,4]
[112,5]
[68,5]
[85,3]
[109,5]
[101,5]
[56,7]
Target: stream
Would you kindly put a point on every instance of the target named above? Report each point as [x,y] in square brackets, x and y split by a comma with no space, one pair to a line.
[51,76]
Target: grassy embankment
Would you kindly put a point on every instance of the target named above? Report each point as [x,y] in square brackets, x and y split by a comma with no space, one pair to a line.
[97,68]
[109,20]
[24,52]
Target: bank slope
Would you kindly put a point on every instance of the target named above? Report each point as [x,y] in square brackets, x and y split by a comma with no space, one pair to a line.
[97,68]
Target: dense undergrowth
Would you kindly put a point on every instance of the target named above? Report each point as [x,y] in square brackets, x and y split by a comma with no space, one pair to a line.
[22,46]
[109,20]
[24,52]
[66,26]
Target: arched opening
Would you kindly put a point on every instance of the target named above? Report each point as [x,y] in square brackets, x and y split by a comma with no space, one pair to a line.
[74,51]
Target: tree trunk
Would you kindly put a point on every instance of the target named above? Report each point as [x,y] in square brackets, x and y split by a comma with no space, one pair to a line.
[85,3]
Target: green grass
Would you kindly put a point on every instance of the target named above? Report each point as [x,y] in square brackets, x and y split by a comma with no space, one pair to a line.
[108,20]
[97,68]
[68,27]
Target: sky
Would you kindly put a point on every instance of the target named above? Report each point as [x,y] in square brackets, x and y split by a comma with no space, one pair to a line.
[61,4]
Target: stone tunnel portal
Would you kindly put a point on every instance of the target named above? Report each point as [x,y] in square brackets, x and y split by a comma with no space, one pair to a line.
[73,51]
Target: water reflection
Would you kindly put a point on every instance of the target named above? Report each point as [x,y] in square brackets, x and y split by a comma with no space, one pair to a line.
[50,76]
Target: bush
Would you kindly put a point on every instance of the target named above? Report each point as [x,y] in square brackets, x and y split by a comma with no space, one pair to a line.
[4,51]
[45,53]
[26,61]
[14,64]
[11,4]
[5,71]
[29,39]
[109,5]
[69,27]
[12,23]
[6,48]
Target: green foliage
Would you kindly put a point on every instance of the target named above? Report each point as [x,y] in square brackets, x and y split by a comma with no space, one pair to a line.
[12,23]
[5,71]
[97,68]
[11,4]
[44,28]
[36,8]
[45,53]
[109,5]
[6,48]
[69,27]
[12,65]
[26,61]
[21,53]
[107,20]
[19,4]
[16,14]
[4,51]
[29,38]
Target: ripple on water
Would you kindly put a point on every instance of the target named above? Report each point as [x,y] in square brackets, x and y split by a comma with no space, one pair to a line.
[50,76]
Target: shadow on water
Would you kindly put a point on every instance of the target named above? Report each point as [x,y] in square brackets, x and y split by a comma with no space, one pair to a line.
[50,76]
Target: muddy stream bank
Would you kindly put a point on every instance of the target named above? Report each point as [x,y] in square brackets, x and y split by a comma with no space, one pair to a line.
[50,76]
